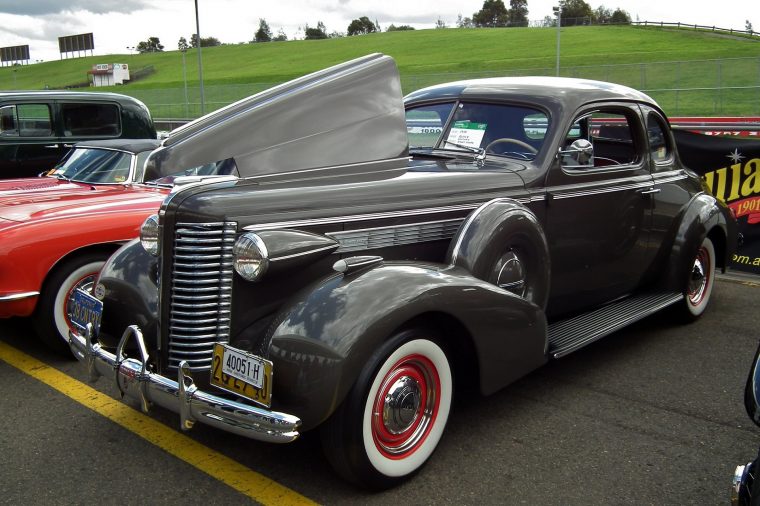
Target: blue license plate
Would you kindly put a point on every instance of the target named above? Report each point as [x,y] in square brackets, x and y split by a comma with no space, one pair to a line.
[83,308]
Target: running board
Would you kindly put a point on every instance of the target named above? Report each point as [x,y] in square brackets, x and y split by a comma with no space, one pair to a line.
[567,336]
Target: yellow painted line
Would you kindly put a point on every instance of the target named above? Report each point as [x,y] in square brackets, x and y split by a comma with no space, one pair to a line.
[224,469]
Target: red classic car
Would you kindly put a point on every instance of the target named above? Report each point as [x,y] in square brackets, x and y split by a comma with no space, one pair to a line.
[56,231]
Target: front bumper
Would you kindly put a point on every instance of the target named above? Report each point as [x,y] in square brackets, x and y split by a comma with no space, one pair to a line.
[133,379]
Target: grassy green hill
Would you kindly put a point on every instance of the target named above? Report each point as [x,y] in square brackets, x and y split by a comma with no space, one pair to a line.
[423,56]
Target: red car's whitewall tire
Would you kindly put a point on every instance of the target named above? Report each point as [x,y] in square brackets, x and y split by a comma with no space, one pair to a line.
[50,320]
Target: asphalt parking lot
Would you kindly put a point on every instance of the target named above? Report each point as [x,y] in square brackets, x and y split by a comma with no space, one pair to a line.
[650,415]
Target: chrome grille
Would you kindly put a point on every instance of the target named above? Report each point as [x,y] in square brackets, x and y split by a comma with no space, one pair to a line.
[201,291]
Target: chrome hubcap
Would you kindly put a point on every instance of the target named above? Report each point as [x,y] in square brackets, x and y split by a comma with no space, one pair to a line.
[698,278]
[405,406]
[401,406]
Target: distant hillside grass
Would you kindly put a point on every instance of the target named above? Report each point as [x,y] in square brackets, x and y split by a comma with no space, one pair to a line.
[423,57]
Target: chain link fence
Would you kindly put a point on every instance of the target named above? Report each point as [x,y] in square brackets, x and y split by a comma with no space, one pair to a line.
[725,87]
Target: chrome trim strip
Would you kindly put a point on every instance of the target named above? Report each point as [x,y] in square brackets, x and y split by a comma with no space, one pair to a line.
[18,296]
[381,215]
[302,253]
[566,194]
[133,378]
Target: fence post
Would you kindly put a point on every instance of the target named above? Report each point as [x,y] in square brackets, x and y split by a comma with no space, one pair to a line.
[678,83]
[720,86]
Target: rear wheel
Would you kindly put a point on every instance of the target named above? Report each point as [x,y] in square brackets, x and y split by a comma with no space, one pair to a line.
[394,416]
[700,282]
[51,319]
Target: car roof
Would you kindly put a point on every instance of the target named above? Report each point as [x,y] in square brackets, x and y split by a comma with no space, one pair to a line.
[573,92]
[65,95]
[128,145]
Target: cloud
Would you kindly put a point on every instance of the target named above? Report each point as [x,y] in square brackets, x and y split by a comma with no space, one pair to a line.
[44,7]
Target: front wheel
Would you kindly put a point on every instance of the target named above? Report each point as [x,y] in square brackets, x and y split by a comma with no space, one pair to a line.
[51,320]
[700,282]
[394,416]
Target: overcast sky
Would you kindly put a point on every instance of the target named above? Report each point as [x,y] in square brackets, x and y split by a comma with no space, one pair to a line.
[119,24]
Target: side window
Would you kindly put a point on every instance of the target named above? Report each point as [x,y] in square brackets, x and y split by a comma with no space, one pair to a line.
[424,125]
[8,121]
[90,120]
[602,139]
[658,141]
[33,120]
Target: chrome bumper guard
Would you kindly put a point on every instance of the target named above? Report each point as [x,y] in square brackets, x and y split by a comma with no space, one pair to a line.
[134,380]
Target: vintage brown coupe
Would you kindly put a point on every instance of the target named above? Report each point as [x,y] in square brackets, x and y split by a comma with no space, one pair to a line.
[349,281]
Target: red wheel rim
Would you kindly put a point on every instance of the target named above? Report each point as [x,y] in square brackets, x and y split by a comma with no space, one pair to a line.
[699,278]
[85,283]
[405,406]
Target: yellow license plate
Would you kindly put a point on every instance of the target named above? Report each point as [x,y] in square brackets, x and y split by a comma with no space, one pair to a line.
[242,373]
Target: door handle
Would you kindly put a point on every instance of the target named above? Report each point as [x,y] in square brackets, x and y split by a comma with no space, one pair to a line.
[68,145]
[649,191]
[51,146]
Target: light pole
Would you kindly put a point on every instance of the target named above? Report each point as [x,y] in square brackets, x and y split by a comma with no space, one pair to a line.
[184,78]
[200,60]
[558,10]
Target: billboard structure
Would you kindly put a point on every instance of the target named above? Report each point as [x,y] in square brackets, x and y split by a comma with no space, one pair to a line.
[13,54]
[76,44]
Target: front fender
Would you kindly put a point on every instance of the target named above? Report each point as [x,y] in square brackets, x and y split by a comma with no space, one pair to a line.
[320,342]
[130,282]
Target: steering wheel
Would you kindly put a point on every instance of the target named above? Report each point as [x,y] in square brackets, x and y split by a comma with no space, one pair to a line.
[511,141]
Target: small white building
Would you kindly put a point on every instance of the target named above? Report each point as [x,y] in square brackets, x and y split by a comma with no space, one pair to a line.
[109,74]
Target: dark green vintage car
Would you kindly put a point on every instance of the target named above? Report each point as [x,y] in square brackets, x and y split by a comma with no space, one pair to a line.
[375,252]
[37,128]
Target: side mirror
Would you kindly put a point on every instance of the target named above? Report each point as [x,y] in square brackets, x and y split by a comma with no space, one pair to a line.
[580,154]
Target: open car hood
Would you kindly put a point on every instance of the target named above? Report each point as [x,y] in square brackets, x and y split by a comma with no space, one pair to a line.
[346,114]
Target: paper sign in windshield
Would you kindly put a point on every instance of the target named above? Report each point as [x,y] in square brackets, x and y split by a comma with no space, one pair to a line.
[467,133]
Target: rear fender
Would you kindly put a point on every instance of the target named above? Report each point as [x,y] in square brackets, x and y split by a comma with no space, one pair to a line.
[323,338]
[704,215]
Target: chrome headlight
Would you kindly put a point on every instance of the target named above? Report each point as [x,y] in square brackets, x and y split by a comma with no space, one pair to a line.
[149,235]
[251,258]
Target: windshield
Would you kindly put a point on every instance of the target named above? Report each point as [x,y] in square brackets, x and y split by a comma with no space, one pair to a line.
[89,165]
[477,128]
[224,167]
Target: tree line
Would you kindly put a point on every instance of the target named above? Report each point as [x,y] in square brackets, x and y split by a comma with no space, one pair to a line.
[493,14]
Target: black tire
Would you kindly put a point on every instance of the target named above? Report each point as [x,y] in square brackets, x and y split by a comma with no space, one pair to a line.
[700,282]
[375,451]
[50,317]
